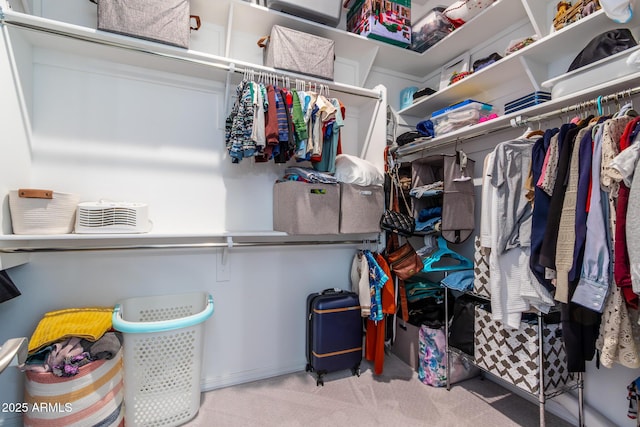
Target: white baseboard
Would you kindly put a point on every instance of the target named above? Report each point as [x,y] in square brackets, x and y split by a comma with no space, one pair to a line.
[212,383]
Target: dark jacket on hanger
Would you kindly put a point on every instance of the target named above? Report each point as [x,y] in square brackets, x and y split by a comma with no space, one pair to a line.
[548,249]
[540,208]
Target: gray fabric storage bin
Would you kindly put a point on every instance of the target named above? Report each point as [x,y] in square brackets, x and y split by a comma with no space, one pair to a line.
[161,21]
[326,12]
[299,52]
[360,208]
[306,208]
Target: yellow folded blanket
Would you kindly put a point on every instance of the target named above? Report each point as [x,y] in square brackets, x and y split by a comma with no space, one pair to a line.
[89,323]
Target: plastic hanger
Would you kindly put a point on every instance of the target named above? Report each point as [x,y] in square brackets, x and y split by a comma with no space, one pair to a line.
[443,251]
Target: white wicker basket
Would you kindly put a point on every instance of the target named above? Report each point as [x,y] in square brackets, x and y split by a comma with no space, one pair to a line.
[42,211]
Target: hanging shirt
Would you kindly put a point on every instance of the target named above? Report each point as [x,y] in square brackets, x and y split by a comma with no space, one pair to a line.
[238,126]
[360,282]
[258,135]
[513,287]
[327,162]
[377,279]
[595,276]
[514,219]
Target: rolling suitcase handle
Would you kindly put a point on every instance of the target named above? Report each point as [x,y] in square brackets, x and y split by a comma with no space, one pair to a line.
[331,291]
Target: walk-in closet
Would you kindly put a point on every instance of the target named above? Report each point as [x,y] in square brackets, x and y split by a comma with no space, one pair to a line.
[233,169]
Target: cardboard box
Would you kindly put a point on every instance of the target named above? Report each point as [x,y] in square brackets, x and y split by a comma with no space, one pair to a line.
[384,20]
[361,208]
[305,208]
[299,52]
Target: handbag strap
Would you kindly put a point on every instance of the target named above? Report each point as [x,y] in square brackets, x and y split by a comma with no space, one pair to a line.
[395,182]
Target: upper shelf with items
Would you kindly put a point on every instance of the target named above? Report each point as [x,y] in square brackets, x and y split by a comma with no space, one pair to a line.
[526,69]
[367,53]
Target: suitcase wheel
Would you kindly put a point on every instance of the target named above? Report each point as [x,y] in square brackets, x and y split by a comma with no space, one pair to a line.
[320,380]
[308,368]
[355,370]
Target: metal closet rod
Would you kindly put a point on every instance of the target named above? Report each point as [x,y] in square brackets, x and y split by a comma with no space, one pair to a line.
[228,65]
[617,96]
[524,121]
[208,245]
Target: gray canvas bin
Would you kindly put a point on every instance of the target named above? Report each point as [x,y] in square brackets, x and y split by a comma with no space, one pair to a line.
[326,12]
[360,208]
[165,21]
[299,52]
[306,208]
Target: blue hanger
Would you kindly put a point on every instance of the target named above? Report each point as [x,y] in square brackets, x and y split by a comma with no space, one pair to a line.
[442,252]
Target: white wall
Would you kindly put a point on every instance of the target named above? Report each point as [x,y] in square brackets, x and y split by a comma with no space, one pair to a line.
[125,132]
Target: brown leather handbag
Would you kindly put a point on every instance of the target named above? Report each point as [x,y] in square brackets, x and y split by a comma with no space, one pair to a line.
[405,262]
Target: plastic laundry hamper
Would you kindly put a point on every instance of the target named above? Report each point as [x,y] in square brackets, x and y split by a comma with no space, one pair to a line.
[163,338]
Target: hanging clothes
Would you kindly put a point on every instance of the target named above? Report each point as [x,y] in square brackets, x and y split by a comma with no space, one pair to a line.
[508,214]
[272,123]
[625,164]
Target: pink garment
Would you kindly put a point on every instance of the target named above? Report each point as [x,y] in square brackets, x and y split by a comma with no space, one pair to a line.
[544,169]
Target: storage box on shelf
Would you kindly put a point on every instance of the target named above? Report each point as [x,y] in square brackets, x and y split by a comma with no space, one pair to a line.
[306,208]
[360,208]
[326,12]
[429,30]
[299,52]
[385,20]
[168,23]
[35,211]
[465,113]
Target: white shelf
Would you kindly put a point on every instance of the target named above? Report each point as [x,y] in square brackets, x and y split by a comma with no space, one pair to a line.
[259,20]
[621,84]
[526,68]
[14,248]
[91,43]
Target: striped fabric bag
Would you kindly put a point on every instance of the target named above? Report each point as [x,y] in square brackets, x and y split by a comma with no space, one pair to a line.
[93,397]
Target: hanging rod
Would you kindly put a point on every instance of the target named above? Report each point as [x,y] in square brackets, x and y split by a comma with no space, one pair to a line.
[519,121]
[617,96]
[207,245]
[224,64]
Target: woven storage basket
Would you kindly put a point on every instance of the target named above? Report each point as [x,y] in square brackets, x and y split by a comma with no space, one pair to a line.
[42,211]
[93,397]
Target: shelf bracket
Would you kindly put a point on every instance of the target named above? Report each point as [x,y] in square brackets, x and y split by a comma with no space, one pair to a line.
[225,250]
[227,88]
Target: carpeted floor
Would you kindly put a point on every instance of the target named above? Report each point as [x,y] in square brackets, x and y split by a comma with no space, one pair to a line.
[395,398]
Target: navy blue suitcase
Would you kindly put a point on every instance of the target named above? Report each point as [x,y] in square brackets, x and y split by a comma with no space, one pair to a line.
[334,333]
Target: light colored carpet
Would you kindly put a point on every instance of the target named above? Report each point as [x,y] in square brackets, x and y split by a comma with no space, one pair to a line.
[395,398]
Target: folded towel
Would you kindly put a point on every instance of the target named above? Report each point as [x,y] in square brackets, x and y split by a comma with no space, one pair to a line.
[89,323]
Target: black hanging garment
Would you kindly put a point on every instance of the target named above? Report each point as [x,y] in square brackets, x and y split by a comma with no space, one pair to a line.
[8,289]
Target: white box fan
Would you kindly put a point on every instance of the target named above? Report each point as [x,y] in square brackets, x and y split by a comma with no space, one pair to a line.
[112,217]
